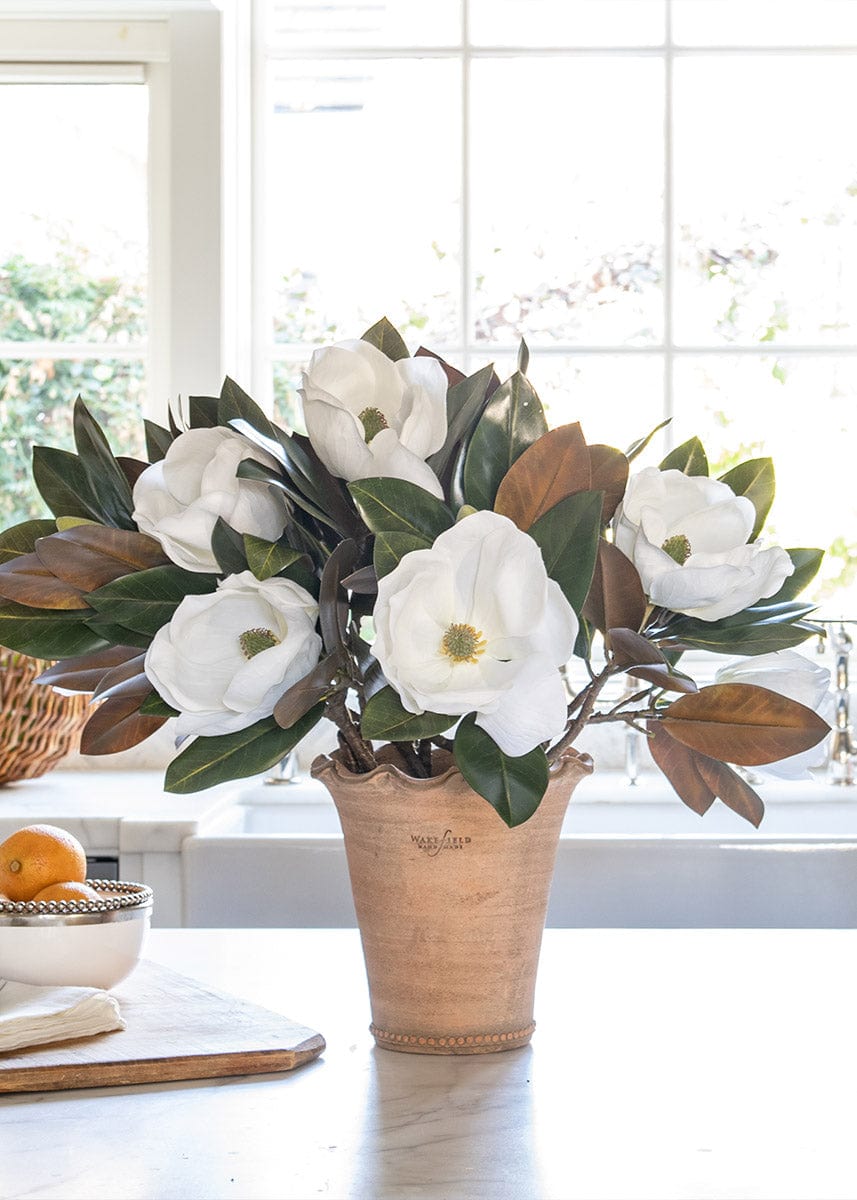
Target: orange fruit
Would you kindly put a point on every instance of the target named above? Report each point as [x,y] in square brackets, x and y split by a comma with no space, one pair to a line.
[67,891]
[35,857]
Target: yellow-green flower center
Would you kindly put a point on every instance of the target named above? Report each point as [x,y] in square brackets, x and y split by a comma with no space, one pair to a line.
[463,643]
[254,641]
[373,421]
[678,548]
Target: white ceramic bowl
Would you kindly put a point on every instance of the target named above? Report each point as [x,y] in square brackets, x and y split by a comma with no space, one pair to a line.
[83,944]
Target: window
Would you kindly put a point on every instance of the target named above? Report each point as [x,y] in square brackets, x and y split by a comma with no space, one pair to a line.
[660,195]
[110,223]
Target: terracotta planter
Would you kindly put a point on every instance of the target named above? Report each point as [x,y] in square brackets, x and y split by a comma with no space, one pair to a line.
[451,903]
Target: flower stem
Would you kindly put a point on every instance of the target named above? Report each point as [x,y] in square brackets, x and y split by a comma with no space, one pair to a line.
[591,695]
[359,750]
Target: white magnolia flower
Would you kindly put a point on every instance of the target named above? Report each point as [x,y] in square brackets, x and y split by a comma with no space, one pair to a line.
[687,537]
[475,625]
[367,415]
[178,500]
[226,658]
[791,675]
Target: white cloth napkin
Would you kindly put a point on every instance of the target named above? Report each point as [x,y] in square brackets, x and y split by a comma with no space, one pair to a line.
[31,1016]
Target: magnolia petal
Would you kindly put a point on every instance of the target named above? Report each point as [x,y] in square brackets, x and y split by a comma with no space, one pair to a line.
[343,378]
[337,438]
[422,418]
[389,458]
[531,712]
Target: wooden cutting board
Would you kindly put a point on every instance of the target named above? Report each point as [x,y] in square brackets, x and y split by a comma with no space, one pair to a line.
[177,1028]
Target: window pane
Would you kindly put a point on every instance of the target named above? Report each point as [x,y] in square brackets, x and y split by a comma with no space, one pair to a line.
[73,212]
[363,199]
[766,200]
[617,398]
[293,23]
[567,174]
[799,410]
[764,22]
[36,399]
[567,22]
[287,402]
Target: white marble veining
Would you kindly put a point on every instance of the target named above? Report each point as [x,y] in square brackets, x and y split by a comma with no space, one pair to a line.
[667,1065]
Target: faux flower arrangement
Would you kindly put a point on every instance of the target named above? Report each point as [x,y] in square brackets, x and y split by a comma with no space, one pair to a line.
[421,569]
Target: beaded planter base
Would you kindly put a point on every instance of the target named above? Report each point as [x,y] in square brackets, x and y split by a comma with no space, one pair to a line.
[450,902]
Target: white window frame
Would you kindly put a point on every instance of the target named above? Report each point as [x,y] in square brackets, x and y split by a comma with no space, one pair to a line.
[177,48]
[468,353]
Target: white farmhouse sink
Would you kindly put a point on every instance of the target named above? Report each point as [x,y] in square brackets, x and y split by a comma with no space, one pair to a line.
[627,857]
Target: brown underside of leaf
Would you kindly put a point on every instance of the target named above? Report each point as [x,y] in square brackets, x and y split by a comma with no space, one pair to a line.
[555,466]
[131,670]
[678,764]
[85,673]
[609,468]
[741,723]
[26,580]
[307,692]
[616,598]
[117,725]
[734,791]
[89,556]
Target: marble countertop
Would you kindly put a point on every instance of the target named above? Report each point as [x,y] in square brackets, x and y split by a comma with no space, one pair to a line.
[112,811]
[667,1065]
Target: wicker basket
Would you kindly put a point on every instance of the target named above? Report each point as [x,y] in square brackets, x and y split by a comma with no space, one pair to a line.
[38,727]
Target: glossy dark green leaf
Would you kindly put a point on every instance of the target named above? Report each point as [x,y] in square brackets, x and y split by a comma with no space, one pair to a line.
[742,639]
[235,405]
[21,539]
[202,411]
[512,420]
[64,484]
[689,458]
[154,706]
[118,635]
[806,563]
[158,441]
[464,404]
[105,474]
[512,786]
[397,506]
[265,558]
[386,717]
[391,548]
[384,336]
[568,537]
[756,480]
[227,546]
[45,633]
[250,469]
[147,600]
[211,760]
[523,357]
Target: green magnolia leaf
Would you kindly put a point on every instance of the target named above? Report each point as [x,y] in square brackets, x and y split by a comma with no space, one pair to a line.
[202,411]
[106,477]
[384,336]
[386,717]
[636,448]
[689,457]
[464,404]
[235,406]
[754,479]
[250,469]
[154,706]
[391,548]
[762,638]
[266,559]
[513,786]
[523,357]
[227,547]
[513,419]
[397,506]
[118,635]
[806,564]
[211,760]
[568,536]
[21,539]
[146,600]
[158,441]
[64,484]
[45,633]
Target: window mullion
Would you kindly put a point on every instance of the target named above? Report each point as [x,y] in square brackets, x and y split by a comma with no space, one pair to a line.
[669,247]
[465,315]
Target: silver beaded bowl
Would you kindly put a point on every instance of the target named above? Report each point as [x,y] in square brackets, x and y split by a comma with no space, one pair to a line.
[81,943]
